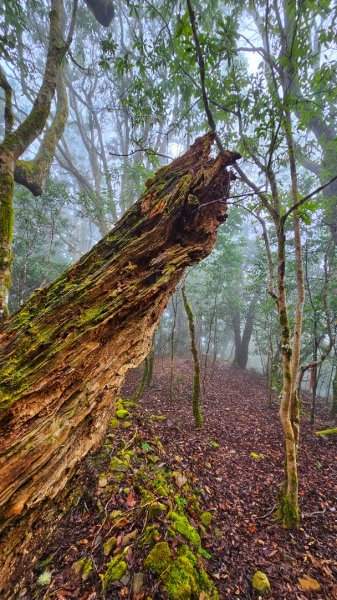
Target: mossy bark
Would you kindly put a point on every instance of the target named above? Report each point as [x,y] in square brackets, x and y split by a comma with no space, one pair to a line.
[6,228]
[334,396]
[288,511]
[32,174]
[196,397]
[64,354]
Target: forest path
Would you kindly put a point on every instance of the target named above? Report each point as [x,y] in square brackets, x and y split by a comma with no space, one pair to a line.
[240,490]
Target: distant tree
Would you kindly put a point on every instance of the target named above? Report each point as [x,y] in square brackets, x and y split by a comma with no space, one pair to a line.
[40,252]
[196,396]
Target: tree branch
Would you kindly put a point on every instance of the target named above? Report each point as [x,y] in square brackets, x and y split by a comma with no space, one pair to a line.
[307,197]
[33,173]
[201,64]
[19,140]
[9,117]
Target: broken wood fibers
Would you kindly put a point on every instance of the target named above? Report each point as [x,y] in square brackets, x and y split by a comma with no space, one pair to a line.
[64,354]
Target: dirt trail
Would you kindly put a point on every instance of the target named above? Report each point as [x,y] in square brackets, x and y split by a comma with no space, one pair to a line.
[241,490]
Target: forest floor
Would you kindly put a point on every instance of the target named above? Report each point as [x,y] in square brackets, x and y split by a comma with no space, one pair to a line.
[233,465]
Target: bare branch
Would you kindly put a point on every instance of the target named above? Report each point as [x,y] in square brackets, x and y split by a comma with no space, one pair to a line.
[307,197]
[72,24]
[9,117]
[148,152]
[201,64]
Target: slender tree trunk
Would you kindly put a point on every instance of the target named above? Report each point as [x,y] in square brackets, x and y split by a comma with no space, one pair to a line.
[64,354]
[314,378]
[334,394]
[288,506]
[209,340]
[247,332]
[236,324]
[6,228]
[174,302]
[142,383]
[150,359]
[196,397]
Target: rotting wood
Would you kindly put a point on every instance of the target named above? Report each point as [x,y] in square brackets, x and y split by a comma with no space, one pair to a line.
[64,355]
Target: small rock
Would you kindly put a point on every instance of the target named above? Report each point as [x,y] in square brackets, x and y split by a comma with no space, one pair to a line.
[308,584]
[129,537]
[125,579]
[180,479]
[138,582]
[103,482]
[260,582]
[109,545]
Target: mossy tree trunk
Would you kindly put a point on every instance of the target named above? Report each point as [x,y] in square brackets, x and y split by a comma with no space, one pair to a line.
[288,511]
[334,395]
[32,173]
[196,397]
[64,354]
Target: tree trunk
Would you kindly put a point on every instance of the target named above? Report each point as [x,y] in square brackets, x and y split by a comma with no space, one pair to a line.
[236,324]
[242,341]
[6,228]
[288,511]
[196,397]
[150,359]
[64,355]
[31,173]
[334,395]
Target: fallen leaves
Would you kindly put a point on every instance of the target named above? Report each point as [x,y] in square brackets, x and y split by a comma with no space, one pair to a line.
[130,501]
[308,584]
[237,488]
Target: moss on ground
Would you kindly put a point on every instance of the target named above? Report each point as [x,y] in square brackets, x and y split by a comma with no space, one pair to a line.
[181,524]
[180,575]
[115,570]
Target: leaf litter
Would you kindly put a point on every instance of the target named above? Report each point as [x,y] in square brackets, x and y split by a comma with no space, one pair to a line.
[230,469]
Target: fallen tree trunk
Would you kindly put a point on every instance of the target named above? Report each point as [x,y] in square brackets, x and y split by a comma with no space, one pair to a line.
[64,355]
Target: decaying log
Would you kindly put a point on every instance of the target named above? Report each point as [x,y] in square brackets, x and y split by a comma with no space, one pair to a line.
[64,354]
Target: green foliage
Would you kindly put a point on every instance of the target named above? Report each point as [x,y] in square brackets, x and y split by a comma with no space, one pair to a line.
[39,253]
[12,22]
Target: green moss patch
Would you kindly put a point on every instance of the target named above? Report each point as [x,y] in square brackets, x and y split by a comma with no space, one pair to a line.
[180,576]
[332,431]
[260,582]
[82,568]
[206,518]
[182,525]
[122,413]
[158,558]
[115,570]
